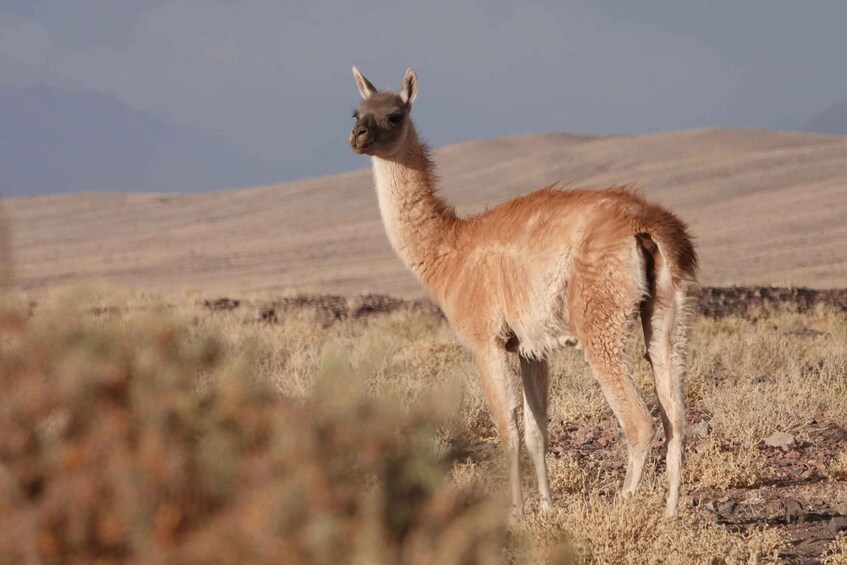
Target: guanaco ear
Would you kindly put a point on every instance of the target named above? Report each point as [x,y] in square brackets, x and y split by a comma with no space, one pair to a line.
[366,89]
[409,90]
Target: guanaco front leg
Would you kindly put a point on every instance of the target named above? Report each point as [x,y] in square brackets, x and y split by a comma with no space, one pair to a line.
[497,382]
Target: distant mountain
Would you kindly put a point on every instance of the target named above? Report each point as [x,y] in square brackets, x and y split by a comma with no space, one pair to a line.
[832,120]
[55,140]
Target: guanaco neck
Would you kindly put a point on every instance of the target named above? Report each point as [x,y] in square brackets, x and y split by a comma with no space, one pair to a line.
[419,224]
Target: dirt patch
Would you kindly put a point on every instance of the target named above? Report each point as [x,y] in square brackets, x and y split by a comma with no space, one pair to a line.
[358,307]
[756,302]
[751,303]
[219,304]
[799,491]
[328,309]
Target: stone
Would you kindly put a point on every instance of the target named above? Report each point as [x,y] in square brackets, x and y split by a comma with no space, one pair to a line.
[220,304]
[803,331]
[779,439]
[266,315]
[837,524]
[726,507]
[793,511]
[700,430]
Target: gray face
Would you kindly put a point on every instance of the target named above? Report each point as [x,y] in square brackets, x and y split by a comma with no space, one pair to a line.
[381,125]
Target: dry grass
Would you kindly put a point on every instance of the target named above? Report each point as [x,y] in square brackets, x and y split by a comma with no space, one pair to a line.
[758,379]
[420,391]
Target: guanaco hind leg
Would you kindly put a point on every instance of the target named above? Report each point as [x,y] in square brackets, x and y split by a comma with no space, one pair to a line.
[534,373]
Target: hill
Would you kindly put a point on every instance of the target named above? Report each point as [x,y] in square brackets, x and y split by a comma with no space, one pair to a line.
[832,120]
[767,208]
[54,140]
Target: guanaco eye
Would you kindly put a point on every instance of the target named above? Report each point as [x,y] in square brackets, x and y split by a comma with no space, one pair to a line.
[395,119]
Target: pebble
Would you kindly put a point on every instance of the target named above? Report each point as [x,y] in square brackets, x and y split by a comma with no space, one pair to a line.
[837,524]
[726,507]
[265,315]
[700,430]
[793,511]
[779,439]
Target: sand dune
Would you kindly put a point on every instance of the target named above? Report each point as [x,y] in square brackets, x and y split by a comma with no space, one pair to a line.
[767,208]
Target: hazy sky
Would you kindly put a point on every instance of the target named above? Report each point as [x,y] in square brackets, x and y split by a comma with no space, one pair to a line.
[273,77]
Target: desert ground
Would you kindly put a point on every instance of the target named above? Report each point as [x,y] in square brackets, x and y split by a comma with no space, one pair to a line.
[251,376]
[319,429]
[766,207]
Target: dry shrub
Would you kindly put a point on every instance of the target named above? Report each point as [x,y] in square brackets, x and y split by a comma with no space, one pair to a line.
[723,466]
[836,552]
[145,442]
[837,468]
[612,530]
[567,475]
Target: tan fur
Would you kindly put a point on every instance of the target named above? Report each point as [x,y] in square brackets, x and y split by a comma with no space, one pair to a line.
[551,268]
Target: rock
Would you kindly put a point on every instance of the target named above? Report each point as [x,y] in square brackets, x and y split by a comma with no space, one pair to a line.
[793,511]
[221,304]
[803,331]
[779,439]
[700,430]
[583,435]
[701,445]
[266,315]
[837,524]
[726,507]
[604,442]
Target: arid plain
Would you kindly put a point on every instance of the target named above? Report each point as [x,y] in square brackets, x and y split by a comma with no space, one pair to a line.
[766,207]
[276,426]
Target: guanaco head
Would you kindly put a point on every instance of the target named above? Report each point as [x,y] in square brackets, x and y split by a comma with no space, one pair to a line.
[382,119]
